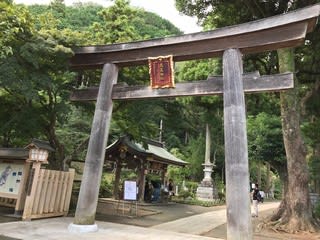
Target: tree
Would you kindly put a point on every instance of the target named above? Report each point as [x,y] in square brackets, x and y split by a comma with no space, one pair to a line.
[36,81]
[265,145]
[15,29]
[309,65]
[36,75]
[117,26]
[197,112]
[295,211]
[14,26]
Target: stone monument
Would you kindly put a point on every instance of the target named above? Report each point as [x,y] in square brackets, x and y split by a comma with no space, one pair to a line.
[206,190]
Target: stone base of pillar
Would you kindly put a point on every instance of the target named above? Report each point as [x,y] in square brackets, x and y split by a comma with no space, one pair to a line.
[76,228]
[207,191]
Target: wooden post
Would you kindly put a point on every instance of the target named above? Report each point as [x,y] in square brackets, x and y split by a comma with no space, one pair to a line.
[89,190]
[31,191]
[117,180]
[142,180]
[22,189]
[236,150]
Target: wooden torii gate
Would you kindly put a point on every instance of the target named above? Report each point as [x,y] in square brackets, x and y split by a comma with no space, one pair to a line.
[282,31]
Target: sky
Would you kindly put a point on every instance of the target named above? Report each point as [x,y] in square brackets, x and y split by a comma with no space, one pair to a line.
[164,8]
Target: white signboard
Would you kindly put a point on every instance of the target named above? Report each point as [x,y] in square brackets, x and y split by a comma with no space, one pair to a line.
[10,177]
[130,190]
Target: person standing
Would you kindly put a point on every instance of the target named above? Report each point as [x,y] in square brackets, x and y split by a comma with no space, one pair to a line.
[255,200]
[171,188]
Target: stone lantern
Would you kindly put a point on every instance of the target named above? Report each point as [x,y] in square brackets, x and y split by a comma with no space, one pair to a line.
[206,190]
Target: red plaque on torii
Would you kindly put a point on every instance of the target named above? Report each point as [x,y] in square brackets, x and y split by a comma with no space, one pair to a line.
[161,72]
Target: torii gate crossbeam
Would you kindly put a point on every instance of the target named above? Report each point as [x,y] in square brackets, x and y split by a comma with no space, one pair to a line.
[282,31]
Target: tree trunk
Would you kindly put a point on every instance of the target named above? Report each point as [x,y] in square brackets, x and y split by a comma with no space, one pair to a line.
[267,187]
[56,158]
[297,213]
[259,174]
[283,174]
[68,159]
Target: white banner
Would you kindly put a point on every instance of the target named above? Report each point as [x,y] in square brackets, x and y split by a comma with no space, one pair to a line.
[130,190]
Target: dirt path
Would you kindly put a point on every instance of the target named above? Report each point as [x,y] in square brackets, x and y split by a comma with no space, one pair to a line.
[220,232]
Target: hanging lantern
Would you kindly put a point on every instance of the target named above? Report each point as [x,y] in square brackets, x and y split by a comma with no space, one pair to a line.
[39,151]
[38,155]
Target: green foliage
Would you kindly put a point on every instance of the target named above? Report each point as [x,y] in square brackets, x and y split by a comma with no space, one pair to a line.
[198,111]
[316,210]
[149,25]
[278,187]
[192,186]
[219,13]
[184,194]
[178,174]
[314,168]
[310,130]
[106,187]
[265,144]
[265,140]
[219,185]
[198,69]
[81,16]
[192,201]
[187,189]
[31,82]
[196,150]
[117,25]
[204,203]
[75,131]
[15,27]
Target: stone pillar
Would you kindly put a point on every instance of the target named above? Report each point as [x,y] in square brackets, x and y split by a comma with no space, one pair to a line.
[239,225]
[84,220]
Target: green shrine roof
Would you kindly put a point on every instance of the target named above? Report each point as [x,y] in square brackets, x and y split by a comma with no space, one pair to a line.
[152,151]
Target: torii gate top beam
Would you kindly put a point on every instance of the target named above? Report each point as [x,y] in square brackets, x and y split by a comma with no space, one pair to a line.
[286,30]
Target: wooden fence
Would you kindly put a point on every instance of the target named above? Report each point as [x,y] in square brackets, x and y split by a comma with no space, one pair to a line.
[48,193]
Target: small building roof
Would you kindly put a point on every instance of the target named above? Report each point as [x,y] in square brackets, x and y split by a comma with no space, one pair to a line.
[14,153]
[154,151]
[23,153]
[41,144]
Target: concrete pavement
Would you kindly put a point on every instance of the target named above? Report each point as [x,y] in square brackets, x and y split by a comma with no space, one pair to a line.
[57,228]
[202,223]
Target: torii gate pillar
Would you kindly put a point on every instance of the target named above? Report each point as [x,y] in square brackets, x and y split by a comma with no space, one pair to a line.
[84,220]
[236,149]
